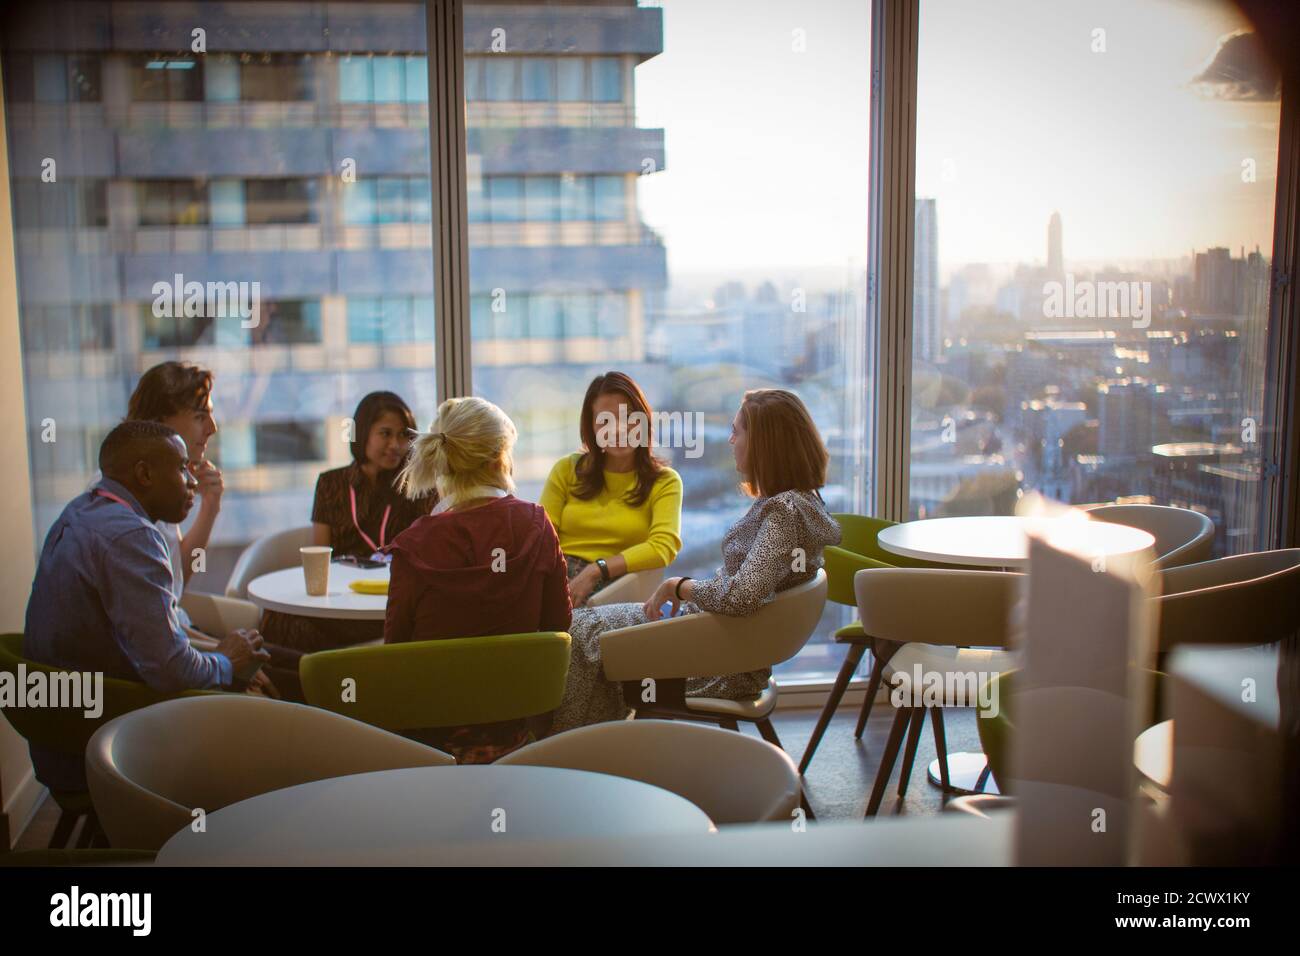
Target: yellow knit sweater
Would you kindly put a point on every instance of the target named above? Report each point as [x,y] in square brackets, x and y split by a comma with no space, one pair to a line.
[606,525]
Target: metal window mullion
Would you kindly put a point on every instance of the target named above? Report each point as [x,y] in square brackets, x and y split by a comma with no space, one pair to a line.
[892,226]
[1280,478]
[444,21]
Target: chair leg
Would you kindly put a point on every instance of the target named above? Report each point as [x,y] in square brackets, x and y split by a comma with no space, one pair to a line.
[86,838]
[768,732]
[881,652]
[63,829]
[729,725]
[851,661]
[901,718]
[940,746]
[909,755]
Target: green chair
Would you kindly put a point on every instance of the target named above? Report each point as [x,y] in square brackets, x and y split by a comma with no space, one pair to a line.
[996,731]
[444,683]
[858,549]
[67,730]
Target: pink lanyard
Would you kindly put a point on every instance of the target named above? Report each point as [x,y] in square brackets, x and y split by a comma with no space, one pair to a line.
[352,493]
[112,497]
[122,501]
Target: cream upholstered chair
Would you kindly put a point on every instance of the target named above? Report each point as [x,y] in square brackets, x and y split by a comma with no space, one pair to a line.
[634,587]
[1182,536]
[273,552]
[217,615]
[694,645]
[148,769]
[731,777]
[1242,599]
[949,623]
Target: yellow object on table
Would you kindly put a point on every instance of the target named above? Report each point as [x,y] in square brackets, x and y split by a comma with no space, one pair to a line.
[370,586]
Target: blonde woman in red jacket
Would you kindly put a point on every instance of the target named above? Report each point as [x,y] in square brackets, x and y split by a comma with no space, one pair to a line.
[483,563]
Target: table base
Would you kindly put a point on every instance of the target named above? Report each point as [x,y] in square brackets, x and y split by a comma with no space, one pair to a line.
[967,773]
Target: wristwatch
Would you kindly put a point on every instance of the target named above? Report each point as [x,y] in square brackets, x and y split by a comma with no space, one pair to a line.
[604,569]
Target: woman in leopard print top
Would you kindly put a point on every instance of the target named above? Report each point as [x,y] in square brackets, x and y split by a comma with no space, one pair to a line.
[776,545]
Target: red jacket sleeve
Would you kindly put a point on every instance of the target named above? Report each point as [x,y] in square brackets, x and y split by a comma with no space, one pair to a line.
[399,618]
[557,606]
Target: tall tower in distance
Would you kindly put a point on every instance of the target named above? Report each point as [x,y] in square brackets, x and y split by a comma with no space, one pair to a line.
[1055,258]
[926,343]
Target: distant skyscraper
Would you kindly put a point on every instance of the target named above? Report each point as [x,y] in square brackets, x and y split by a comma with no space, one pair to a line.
[1055,253]
[926,342]
[1220,281]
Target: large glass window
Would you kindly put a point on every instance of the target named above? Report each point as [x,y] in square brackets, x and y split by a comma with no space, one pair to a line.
[727,250]
[1091,288]
[185,216]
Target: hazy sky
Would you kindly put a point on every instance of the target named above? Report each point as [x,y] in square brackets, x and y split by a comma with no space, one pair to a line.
[766,147]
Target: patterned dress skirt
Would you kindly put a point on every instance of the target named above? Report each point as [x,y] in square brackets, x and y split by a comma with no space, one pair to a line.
[591,699]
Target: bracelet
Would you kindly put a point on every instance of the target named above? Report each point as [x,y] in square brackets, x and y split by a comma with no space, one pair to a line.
[677,591]
[604,569]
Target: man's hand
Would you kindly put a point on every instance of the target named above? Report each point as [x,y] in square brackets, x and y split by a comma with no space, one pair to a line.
[666,593]
[583,584]
[262,686]
[211,484]
[244,647]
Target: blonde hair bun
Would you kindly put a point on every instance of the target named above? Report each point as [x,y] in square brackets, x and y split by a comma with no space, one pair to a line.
[470,444]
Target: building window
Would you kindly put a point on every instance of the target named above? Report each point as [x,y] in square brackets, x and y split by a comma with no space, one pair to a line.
[571,79]
[606,79]
[276,78]
[387,199]
[287,322]
[172,202]
[279,201]
[610,201]
[166,79]
[538,75]
[384,79]
[68,328]
[390,320]
[277,443]
[52,77]
[63,204]
[501,78]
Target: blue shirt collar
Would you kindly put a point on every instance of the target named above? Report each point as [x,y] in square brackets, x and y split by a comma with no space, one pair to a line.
[117,488]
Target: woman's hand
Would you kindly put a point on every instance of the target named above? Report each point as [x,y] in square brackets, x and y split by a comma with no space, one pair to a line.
[666,593]
[583,584]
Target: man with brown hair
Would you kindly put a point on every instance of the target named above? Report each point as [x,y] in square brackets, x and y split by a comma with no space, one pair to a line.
[179,395]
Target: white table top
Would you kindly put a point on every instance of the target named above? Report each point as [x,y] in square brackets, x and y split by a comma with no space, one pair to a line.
[1001,542]
[286,591]
[424,815]
[1153,753]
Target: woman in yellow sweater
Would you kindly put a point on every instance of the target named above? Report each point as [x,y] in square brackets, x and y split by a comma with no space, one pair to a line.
[615,506]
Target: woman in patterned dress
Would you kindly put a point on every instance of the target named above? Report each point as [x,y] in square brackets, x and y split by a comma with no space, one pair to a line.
[357,511]
[776,545]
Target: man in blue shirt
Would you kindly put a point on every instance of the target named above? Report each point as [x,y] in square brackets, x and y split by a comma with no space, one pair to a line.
[103,598]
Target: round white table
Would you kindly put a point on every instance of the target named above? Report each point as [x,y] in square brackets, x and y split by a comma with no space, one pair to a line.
[408,817]
[1002,542]
[996,541]
[286,591]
